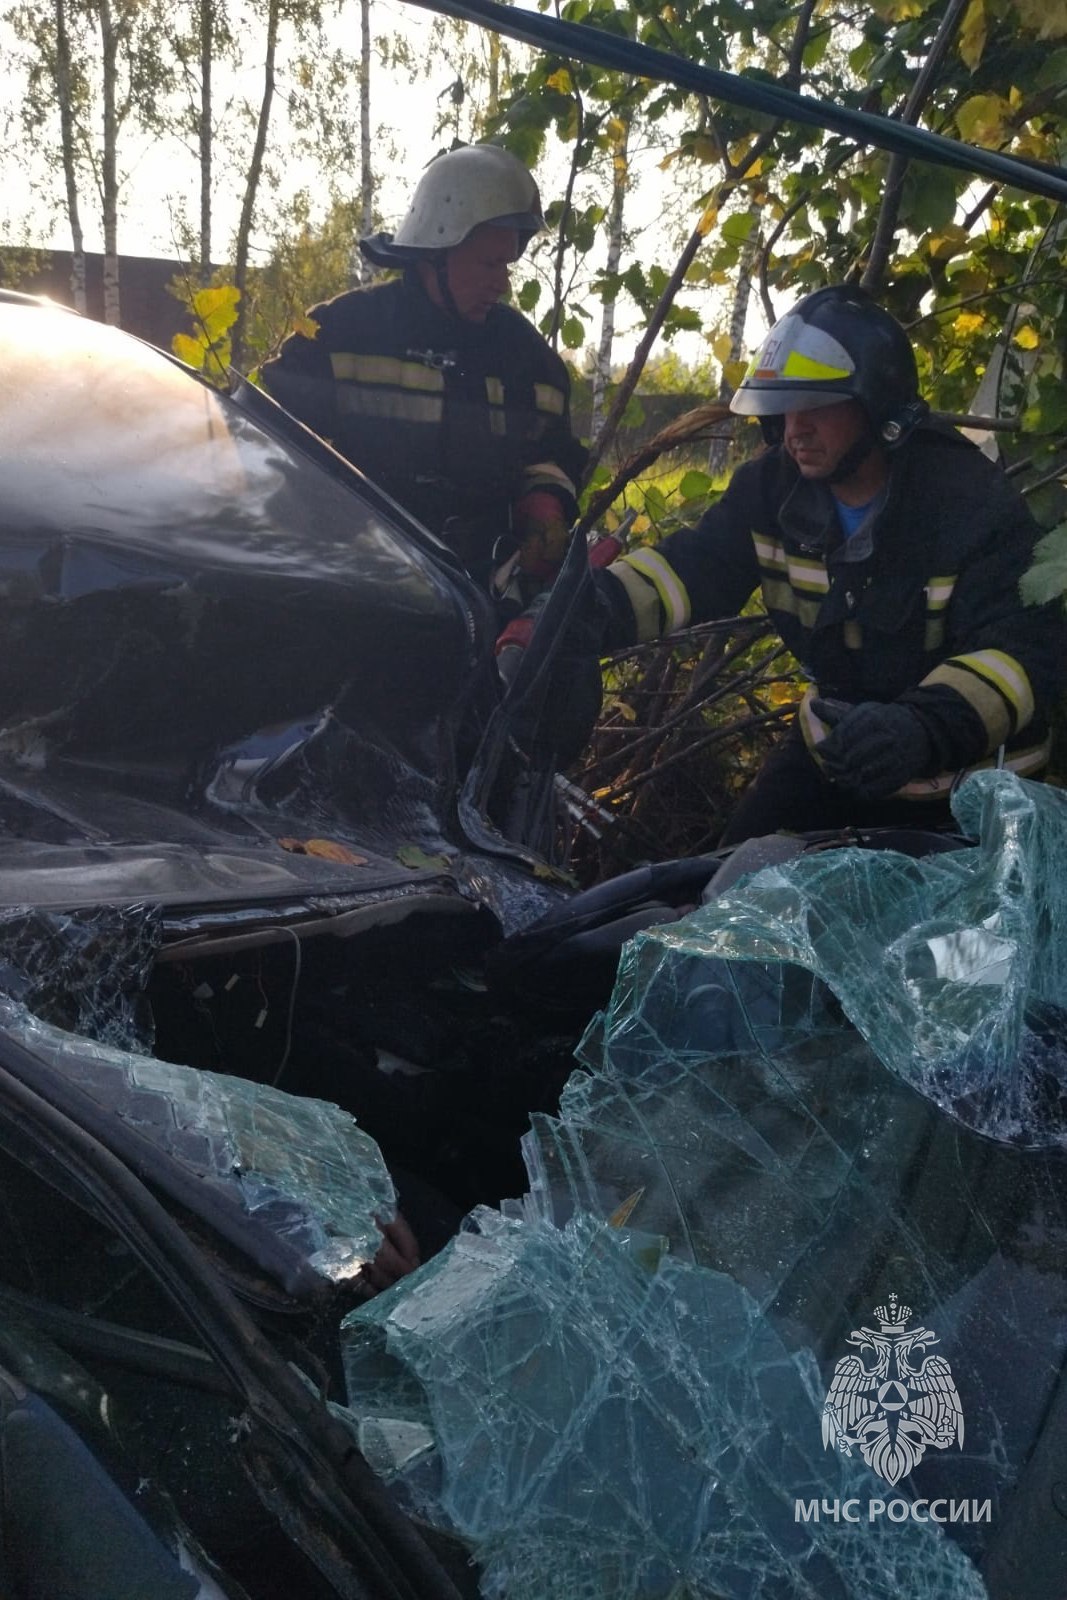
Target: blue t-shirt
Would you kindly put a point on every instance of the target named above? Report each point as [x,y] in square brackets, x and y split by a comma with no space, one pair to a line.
[850,517]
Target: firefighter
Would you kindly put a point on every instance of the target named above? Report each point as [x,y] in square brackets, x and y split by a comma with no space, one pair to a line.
[449,400]
[888,550]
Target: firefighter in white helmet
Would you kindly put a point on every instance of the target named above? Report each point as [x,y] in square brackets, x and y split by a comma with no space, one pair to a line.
[449,399]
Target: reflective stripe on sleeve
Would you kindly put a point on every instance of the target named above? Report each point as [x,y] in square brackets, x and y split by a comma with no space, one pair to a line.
[547,475]
[1021,762]
[670,589]
[548,398]
[994,684]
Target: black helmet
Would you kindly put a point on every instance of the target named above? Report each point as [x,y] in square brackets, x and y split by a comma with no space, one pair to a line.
[836,344]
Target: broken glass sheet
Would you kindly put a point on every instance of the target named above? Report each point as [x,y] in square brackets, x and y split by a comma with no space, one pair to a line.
[953,967]
[609,1431]
[85,971]
[734,1106]
[299,1167]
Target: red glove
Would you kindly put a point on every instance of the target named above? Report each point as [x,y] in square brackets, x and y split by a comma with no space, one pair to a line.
[517,634]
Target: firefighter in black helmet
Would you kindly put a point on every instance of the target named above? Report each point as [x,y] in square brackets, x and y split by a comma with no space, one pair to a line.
[450,400]
[888,550]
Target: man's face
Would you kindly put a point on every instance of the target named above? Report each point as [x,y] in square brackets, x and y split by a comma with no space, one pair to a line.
[818,439]
[477,270]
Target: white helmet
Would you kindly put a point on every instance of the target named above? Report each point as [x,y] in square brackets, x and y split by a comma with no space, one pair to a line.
[457,193]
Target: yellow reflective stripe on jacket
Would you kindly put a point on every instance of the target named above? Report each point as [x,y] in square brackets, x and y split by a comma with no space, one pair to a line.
[651,568]
[939,593]
[386,370]
[994,684]
[1021,762]
[793,584]
[398,405]
[548,398]
[779,595]
[770,554]
[494,391]
[808,575]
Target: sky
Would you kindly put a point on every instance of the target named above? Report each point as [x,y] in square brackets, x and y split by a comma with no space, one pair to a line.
[163,176]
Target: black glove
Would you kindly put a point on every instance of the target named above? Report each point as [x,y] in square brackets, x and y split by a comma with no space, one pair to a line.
[874,749]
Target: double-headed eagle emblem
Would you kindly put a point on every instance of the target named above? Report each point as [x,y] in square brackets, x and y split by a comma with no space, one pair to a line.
[888,1404]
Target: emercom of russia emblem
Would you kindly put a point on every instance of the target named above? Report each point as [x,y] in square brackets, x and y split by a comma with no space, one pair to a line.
[892,1400]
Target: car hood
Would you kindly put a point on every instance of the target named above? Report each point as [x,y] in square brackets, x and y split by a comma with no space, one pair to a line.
[236,671]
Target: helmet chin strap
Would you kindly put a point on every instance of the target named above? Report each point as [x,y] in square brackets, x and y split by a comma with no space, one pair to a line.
[440,267]
[854,456]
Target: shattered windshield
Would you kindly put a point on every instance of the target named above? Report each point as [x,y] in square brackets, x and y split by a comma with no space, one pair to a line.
[783,1312]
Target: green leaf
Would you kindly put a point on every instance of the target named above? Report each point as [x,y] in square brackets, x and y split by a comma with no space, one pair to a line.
[695,485]
[413,855]
[572,332]
[529,294]
[1047,577]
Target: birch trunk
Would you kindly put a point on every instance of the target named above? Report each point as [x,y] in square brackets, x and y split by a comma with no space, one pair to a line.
[366,169]
[255,169]
[719,447]
[602,362]
[109,187]
[70,173]
[204,135]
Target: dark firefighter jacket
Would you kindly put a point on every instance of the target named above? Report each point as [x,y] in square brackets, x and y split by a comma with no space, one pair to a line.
[920,605]
[456,420]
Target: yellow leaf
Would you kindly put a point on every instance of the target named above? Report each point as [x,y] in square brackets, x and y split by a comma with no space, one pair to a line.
[733,372]
[622,1213]
[973,34]
[968,322]
[705,149]
[640,524]
[216,310]
[331,850]
[1027,337]
[951,241]
[191,351]
[708,219]
[560,80]
[1047,18]
[307,326]
[782,694]
[722,345]
[209,300]
[981,118]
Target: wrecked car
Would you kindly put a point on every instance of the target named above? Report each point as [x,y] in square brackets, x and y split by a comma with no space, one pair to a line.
[763,1294]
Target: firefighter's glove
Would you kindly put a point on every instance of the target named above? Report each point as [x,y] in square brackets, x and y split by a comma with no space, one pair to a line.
[873,749]
[541,531]
[513,642]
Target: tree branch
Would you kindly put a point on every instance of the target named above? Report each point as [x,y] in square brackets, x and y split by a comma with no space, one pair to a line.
[886,228]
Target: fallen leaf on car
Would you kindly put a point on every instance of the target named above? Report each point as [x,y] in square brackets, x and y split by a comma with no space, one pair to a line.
[413,855]
[325,849]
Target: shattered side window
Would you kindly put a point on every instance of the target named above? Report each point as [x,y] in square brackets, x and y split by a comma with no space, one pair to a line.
[300,1170]
[784,1313]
